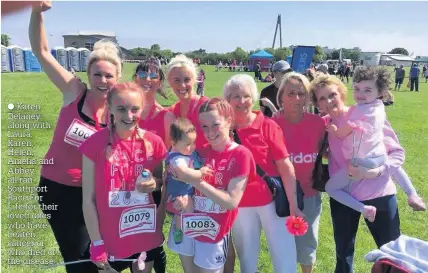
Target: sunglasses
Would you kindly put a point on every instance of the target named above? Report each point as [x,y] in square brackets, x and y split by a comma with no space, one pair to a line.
[144,75]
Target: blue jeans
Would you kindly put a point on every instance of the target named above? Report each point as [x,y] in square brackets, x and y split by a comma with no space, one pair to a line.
[384,229]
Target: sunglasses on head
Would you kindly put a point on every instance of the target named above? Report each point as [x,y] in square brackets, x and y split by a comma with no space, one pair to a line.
[144,75]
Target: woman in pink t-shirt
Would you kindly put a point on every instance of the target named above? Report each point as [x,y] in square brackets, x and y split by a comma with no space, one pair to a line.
[181,75]
[120,214]
[83,113]
[207,231]
[372,187]
[303,133]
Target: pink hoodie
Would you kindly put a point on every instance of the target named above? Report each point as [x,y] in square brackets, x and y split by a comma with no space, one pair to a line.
[368,189]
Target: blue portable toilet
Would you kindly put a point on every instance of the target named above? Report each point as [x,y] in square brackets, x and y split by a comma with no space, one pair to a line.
[5,62]
[16,58]
[32,64]
[73,58]
[60,55]
[83,58]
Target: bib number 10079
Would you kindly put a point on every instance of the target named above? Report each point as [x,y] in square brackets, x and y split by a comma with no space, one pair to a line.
[135,220]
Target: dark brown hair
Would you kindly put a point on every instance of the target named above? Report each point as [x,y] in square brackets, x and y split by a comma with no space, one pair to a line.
[380,75]
[180,128]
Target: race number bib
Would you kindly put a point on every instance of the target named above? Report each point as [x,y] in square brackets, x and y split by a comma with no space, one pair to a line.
[137,220]
[205,204]
[78,132]
[119,199]
[199,224]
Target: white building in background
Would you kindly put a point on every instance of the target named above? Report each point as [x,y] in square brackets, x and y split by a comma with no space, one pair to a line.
[370,58]
[396,60]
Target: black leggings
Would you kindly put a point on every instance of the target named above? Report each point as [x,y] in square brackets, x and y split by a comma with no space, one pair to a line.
[68,226]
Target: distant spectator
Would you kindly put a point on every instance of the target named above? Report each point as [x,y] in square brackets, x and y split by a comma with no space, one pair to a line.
[323,68]
[414,77]
[279,69]
[258,72]
[400,74]
[200,80]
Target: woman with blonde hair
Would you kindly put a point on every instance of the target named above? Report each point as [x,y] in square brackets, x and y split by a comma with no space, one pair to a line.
[264,138]
[372,187]
[182,75]
[83,113]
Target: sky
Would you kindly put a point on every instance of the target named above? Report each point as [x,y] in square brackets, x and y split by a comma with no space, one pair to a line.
[223,26]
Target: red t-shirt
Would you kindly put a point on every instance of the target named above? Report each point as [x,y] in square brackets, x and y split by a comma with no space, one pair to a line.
[235,161]
[303,140]
[155,124]
[265,140]
[193,116]
[127,218]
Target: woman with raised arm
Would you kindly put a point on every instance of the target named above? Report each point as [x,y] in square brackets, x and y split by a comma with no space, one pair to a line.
[82,114]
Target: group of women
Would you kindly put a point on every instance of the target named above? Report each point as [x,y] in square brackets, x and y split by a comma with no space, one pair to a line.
[107,209]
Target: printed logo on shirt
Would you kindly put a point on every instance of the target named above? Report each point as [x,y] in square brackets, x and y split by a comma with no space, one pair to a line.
[232,161]
[205,204]
[219,259]
[218,178]
[301,158]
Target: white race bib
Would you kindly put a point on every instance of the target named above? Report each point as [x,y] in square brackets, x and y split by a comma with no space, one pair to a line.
[205,204]
[119,199]
[78,132]
[199,224]
[137,220]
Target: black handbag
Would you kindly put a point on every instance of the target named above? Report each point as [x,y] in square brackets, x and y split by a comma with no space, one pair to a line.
[276,187]
[320,174]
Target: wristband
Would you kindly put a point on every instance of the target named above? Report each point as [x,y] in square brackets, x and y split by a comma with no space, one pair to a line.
[98,251]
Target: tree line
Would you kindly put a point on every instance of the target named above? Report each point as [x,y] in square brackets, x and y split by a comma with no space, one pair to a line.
[239,54]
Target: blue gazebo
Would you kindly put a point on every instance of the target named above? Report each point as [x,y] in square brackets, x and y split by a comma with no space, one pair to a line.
[261,56]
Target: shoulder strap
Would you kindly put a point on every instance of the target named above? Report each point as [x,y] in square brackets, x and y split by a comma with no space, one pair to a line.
[259,170]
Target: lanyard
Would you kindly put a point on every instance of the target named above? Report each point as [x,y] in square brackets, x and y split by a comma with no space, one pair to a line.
[127,177]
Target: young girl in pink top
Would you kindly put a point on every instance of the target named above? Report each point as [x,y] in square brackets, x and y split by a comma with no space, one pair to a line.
[364,139]
[207,231]
[121,217]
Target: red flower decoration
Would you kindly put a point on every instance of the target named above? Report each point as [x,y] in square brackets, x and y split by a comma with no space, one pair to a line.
[297,226]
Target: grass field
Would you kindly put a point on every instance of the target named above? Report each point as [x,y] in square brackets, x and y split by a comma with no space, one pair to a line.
[408,116]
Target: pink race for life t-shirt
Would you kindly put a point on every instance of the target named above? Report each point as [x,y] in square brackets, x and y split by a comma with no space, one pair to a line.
[70,132]
[193,116]
[127,219]
[211,222]
[302,140]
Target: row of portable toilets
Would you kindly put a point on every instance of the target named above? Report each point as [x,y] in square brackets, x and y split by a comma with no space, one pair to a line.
[17,59]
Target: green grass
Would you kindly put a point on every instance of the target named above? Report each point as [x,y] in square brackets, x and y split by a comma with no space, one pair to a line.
[408,117]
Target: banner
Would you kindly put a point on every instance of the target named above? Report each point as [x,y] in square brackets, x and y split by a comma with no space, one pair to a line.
[302,58]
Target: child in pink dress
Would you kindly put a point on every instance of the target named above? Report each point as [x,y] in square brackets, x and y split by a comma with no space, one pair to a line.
[364,140]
